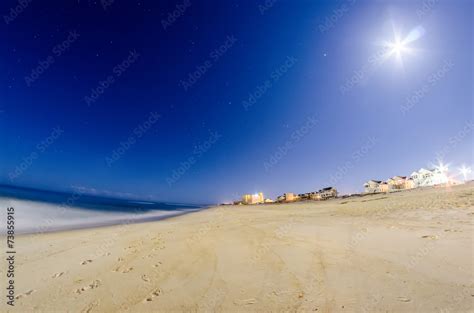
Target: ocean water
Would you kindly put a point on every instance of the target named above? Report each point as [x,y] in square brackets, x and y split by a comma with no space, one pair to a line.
[38,211]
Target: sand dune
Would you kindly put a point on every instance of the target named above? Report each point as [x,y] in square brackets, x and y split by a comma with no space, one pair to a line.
[410,251]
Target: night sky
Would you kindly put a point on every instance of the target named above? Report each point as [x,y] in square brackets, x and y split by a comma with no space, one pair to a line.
[201,102]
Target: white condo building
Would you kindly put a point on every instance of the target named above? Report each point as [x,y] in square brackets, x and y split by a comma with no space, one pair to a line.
[425,177]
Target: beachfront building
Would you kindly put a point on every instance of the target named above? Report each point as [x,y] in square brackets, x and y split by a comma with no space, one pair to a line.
[328,193]
[322,194]
[281,198]
[314,196]
[384,187]
[396,183]
[425,177]
[409,183]
[309,196]
[268,201]
[372,186]
[304,196]
[247,199]
[288,197]
[421,178]
[253,199]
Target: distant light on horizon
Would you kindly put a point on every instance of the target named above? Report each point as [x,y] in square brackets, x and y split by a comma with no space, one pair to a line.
[465,171]
[443,168]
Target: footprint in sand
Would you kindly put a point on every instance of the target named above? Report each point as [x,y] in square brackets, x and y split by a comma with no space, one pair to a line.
[85,262]
[154,294]
[93,285]
[145,278]
[245,301]
[29,292]
[57,275]
[432,237]
[89,308]
[134,246]
[157,268]
[127,270]
[403,299]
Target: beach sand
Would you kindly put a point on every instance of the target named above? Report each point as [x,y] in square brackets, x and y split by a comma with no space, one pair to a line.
[409,251]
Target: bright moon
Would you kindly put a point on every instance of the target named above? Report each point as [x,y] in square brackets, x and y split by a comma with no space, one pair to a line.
[398,46]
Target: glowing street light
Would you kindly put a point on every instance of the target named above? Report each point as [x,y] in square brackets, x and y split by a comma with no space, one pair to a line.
[443,168]
[465,171]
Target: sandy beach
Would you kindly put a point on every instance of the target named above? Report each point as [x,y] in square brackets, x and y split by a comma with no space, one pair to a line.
[410,251]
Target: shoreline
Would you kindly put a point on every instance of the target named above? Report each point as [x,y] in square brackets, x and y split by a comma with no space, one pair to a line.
[401,252]
[36,217]
[117,223]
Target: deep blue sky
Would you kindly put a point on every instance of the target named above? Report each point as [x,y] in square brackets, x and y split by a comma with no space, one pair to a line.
[330,42]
